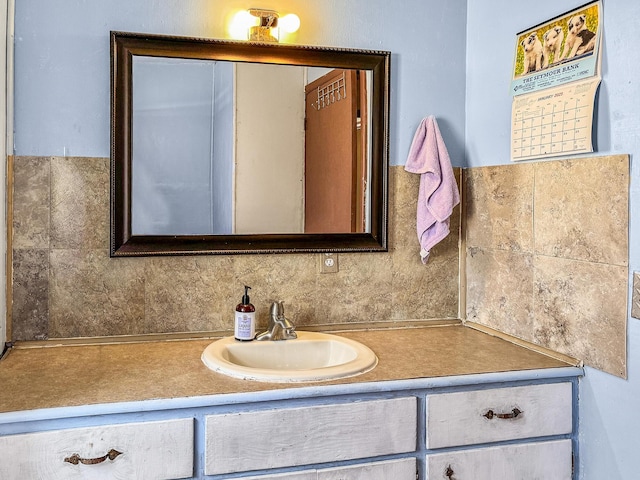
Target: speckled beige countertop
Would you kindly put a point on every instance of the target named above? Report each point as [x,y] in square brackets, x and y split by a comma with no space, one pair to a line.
[67,376]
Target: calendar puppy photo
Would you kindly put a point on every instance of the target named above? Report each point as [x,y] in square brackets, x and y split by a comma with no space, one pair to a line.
[580,40]
[552,45]
[533,53]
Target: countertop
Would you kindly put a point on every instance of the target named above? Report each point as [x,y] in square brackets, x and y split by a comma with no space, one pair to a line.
[72,376]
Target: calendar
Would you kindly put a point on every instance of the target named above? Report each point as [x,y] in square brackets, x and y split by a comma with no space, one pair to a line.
[554,122]
[555,79]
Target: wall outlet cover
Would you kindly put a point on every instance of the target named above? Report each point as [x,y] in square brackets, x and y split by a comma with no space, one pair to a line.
[635,297]
[328,262]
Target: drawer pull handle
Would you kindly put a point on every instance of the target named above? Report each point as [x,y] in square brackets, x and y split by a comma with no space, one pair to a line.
[505,416]
[449,473]
[75,459]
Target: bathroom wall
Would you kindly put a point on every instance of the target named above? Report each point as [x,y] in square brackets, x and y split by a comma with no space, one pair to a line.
[65,284]
[62,61]
[547,255]
[608,419]
[448,60]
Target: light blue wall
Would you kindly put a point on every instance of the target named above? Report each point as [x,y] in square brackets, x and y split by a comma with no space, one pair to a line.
[62,60]
[609,413]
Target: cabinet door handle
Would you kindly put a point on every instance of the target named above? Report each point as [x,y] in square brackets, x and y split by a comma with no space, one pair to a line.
[75,459]
[515,413]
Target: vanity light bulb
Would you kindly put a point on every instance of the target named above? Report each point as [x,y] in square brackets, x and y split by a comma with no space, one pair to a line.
[289,23]
[240,25]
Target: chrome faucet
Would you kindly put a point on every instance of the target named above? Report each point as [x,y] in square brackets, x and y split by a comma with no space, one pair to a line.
[279,327]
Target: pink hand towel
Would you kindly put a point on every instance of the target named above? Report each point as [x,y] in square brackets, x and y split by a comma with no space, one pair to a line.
[438,192]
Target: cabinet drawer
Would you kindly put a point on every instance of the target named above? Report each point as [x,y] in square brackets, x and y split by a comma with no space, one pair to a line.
[527,461]
[305,475]
[481,416]
[246,441]
[144,451]
[404,469]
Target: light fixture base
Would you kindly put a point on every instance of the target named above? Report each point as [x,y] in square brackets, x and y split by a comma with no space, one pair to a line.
[267,26]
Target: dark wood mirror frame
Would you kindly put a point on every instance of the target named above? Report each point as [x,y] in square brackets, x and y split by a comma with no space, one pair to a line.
[123,243]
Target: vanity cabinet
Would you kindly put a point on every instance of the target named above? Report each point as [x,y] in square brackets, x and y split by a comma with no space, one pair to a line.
[444,429]
[446,403]
[150,451]
[480,427]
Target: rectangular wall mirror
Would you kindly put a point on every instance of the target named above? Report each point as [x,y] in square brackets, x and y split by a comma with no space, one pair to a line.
[236,147]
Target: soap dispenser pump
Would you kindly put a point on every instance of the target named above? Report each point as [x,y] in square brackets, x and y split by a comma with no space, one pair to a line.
[245,318]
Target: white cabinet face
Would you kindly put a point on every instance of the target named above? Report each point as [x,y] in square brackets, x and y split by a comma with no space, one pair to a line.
[306,475]
[134,451]
[404,469]
[309,435]
[527,461]
[483,416]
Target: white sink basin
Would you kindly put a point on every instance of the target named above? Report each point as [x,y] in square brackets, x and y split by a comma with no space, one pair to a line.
[312,357]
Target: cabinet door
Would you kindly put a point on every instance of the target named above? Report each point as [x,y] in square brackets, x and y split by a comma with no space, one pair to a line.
[309,435]
[135,451]
[497,414]
[404,469]
[528,461]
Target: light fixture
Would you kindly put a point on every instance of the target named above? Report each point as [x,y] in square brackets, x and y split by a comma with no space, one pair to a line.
[261,25]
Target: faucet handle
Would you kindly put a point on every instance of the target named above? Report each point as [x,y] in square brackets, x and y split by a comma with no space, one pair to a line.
[277,309]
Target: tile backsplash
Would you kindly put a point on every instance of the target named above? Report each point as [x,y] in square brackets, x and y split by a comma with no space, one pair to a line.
[65,284]
[546,261]
[547,255]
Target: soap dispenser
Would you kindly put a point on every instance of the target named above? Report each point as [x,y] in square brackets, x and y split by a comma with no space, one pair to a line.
[245,318]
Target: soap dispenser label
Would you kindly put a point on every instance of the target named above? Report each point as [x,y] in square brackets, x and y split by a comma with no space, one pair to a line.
[245,325]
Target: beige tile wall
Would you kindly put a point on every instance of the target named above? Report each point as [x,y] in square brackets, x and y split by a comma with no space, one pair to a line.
[546,261]
[547,255]
[65,284]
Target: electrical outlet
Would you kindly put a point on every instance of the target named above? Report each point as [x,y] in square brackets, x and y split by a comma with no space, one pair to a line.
[635,296]
[328,262]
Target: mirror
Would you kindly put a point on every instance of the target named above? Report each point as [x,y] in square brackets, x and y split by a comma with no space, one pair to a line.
[236,147]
